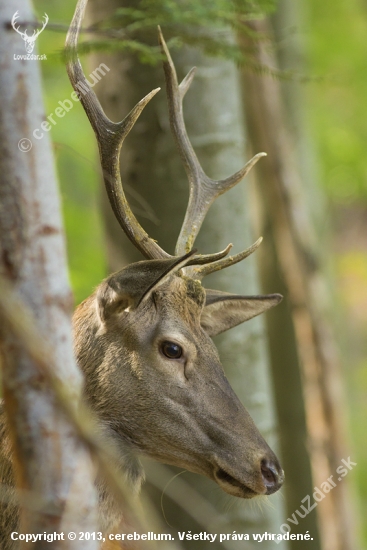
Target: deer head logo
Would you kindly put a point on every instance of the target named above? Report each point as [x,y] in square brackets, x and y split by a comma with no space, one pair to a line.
[29,40]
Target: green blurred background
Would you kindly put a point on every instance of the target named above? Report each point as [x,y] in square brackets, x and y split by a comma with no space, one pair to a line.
[334,37]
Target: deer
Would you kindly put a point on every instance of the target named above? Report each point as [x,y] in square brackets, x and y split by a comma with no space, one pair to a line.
[143,338]
[29,41]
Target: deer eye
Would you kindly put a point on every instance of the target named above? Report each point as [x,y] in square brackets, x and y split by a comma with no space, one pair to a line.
[171,350]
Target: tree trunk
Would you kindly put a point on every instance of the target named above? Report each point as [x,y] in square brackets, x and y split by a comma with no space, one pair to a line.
[151,167]
[286,217]
[53,468]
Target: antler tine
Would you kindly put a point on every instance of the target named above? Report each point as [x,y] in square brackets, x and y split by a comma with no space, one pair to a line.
[203,190]
[13,22]
[201,272]
[203,259]
[38,32]
[110,136]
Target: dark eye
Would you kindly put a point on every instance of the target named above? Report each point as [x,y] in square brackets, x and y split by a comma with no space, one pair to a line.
[171,350]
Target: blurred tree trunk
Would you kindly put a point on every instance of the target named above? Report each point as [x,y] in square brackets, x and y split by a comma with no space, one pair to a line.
[305,340]
[152,168]
[53,469]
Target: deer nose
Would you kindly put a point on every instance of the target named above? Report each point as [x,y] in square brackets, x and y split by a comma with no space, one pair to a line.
[272,475]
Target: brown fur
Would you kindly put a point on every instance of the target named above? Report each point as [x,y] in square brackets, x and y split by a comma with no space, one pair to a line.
[178,411]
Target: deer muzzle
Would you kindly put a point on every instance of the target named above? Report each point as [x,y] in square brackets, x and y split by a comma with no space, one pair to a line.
[242,462]
[265,479]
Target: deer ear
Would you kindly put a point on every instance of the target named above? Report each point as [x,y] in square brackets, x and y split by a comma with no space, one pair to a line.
[223,311]
[111,299]
[128,288]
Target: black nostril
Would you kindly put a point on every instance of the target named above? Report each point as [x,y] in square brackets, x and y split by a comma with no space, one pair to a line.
[271,476]
[268,472]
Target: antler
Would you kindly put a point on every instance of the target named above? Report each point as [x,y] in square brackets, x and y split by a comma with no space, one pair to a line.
[14,18]
[24,34]
[110,136]
[203,190]
[37,33]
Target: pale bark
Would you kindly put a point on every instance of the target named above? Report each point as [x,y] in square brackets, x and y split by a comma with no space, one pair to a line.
[52,466]
[151,166]
[286,216]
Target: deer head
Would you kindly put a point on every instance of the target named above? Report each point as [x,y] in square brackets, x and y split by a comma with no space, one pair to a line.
[29,40]
[143,338]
